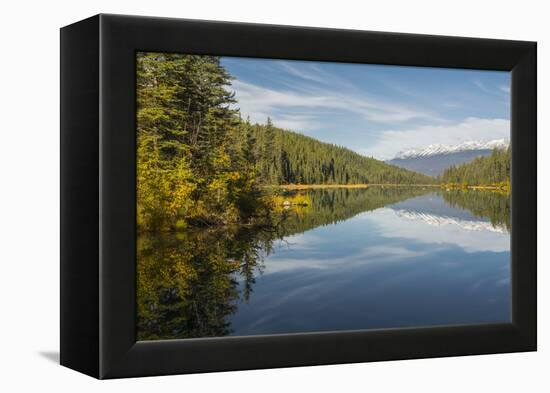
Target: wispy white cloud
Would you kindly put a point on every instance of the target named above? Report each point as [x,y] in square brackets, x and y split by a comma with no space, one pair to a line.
[301,73]
[390,142]
[481,86]
[369,255]
[302,122]
[499,90]
[260,102]
[312,72]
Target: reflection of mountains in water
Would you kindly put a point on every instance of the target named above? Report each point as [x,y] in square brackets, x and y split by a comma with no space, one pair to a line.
[190,283]
[474,211]
[438,220]
[486,205]
[330,206]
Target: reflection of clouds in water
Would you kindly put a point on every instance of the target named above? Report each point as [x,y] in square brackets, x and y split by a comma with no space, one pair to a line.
[299,242]
[380,286]
[313,249]
[365,256]
[392,225]
[436,220]
[310,292]
[380,269]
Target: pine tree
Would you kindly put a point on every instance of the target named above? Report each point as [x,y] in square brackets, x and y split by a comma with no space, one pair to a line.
[486,170]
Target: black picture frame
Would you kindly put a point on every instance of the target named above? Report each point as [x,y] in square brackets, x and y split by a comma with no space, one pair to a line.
[98,179]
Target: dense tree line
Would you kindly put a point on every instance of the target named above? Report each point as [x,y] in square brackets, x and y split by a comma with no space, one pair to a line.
[488,170]
[288,157]
[198,163]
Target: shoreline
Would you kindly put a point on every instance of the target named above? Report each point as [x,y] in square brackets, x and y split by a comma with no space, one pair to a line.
[321,186]
[294,187]
[488,188]
[477,188]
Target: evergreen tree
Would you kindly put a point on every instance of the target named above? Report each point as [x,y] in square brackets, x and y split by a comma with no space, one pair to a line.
[192,167]
[489,170]
[299,159]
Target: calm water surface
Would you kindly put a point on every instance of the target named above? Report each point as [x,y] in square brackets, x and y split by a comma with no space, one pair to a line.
[354,259]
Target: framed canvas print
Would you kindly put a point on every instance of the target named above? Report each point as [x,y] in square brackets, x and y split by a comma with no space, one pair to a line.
[240,196]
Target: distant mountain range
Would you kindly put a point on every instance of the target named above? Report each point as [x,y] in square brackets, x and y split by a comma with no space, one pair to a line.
[434,159]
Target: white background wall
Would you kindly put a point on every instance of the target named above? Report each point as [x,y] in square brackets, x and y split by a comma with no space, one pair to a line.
[29,194]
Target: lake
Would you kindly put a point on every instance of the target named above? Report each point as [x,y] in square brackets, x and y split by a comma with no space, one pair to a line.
[380,257]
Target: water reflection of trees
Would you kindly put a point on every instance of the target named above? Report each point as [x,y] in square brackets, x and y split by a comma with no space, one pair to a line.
[487,204]
[187,282]
[330,206]
[190,283]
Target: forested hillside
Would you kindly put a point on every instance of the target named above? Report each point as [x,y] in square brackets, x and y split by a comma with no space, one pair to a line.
[490,170]
[288,157]
[200,164]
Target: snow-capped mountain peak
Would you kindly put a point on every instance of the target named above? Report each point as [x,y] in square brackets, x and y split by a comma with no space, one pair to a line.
[437,149]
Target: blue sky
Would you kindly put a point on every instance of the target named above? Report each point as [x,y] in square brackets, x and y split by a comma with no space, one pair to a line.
[375,110]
